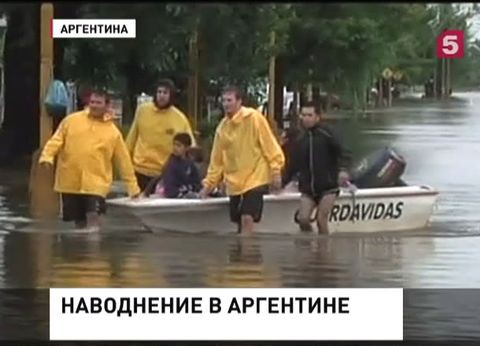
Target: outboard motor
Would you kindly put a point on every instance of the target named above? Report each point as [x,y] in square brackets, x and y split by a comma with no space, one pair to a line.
[383,168]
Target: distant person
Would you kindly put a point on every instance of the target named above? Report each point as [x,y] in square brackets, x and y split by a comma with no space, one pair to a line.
[181,178]
[150,140]
[321,162]
[86,142]
[247,156]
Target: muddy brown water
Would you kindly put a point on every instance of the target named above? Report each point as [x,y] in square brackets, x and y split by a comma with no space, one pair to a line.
[441,143]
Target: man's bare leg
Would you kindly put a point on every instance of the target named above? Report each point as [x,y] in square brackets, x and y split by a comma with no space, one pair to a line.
[307,205]
[248,225]
[94,222]
[324,208]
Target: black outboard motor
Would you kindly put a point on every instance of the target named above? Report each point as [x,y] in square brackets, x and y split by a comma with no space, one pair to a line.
[383,168]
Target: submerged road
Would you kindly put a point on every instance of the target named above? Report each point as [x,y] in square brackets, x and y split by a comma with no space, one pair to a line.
[441,143]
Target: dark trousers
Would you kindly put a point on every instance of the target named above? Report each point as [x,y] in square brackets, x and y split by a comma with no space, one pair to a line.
[143,180]
[248,203]
[75,207]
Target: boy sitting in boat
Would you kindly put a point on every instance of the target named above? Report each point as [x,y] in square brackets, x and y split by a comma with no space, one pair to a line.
[180,178]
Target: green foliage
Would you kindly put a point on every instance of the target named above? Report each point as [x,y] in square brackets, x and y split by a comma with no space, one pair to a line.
[236,40]
[344,47]
[463,71]
[466,72]
[149,54]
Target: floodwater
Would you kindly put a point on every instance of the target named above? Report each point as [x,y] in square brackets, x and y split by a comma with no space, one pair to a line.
[441,143]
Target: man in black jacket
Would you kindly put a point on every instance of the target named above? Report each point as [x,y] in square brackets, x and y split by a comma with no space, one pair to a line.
[321,162]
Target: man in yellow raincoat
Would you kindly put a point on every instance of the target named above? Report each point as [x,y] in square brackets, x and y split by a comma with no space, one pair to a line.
[86,143]
[247,156]
[150,140]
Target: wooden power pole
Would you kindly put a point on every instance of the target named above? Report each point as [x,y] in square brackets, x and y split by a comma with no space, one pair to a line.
[272,82]
[193,80]
[46,69]
[443,92]
[44,202]
[447,78]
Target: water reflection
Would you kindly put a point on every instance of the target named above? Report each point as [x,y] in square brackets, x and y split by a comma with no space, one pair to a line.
[245,266]
[441,144]
[439,141]
[442,307]
[24,314]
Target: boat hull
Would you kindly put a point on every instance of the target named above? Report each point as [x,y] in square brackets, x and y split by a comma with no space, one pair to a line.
[371,210]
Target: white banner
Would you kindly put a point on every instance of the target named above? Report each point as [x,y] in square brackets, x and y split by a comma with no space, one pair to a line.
[226,314]
[93,28]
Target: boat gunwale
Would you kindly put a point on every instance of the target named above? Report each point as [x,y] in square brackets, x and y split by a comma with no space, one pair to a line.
[426,191]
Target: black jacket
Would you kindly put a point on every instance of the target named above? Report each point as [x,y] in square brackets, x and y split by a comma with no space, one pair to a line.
[317,156]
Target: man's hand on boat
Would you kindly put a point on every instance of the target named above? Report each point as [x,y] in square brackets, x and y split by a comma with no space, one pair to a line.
[276,185]
[343,179]
[137,197]
[204,192]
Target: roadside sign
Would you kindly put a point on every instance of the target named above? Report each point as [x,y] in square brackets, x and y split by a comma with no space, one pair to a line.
[397,75]
[387,73]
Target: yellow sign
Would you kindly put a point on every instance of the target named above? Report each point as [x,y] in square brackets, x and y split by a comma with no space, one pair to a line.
[387,73]
[397,75]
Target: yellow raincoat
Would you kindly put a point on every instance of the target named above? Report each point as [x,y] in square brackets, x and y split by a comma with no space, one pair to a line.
[245,153]
[150,140]
[86,148]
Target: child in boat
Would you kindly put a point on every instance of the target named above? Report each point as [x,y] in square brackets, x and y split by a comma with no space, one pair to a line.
[180,178]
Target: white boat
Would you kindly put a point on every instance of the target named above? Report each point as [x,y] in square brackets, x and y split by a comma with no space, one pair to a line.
[367,210]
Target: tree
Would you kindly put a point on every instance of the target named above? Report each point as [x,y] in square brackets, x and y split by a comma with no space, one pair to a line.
[20,128]
[346,47]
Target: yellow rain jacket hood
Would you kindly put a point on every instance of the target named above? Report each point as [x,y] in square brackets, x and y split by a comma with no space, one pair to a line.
[245,153]
[86,148]
[150,140]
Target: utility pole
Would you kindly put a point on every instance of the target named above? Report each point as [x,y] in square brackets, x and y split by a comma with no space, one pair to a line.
[389,95]
[447,78]
[380,92]
[309,92]
[193,79]
[444,74]
[272,80]
[46,69]
[44,202]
